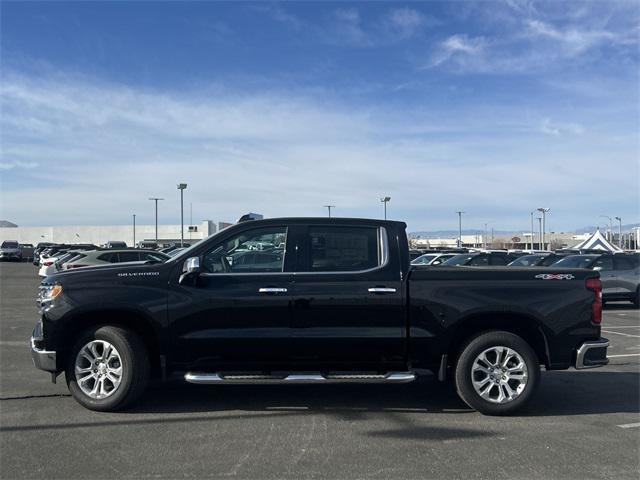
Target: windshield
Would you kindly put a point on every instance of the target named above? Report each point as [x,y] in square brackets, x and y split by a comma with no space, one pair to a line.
[458,259]
[9,244]
[527,261]
[576,261]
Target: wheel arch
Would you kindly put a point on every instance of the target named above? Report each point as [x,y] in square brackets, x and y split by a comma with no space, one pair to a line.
[525,326]
[132,320]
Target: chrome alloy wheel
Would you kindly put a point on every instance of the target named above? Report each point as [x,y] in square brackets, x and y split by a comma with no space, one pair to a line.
[499,374]
[98,369]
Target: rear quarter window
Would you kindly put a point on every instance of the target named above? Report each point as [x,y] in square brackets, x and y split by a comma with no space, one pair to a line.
[107,257]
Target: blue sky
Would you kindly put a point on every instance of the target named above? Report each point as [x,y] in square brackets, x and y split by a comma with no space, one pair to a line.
[494,108]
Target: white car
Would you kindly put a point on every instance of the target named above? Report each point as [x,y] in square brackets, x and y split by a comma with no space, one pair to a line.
[56,263]
[48,265]
[432,258]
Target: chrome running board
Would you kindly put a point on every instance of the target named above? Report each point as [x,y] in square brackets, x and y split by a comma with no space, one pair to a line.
[305,378]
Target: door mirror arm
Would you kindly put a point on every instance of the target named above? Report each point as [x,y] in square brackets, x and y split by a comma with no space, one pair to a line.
[190,270]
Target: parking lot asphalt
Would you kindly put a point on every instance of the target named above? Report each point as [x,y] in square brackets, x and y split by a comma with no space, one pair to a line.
[581,424]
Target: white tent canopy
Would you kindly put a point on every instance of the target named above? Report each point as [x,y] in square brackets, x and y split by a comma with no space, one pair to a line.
[597,242]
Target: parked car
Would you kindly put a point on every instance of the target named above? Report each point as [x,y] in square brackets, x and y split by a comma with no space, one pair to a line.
[432,258]
[40,246]
[56,249]
[343,305]
[619,273]
[175,252]
[415,253]
[481,259]
[105,257]
[536,260]
[10,250]
[115,244]
[26,251]
[48,263]
[148,244]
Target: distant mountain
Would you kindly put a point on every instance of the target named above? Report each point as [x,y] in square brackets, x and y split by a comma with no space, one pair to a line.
[625,228]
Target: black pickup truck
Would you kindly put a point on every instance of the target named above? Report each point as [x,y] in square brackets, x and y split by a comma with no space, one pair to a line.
[310,300]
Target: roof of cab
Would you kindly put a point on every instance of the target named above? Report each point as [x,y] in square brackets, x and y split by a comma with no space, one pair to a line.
[322,221]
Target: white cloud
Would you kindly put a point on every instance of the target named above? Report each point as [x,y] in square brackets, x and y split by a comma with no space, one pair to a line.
[102,149]
[573,40]
[407,21]
[557,129]
[11,165]
[456,46]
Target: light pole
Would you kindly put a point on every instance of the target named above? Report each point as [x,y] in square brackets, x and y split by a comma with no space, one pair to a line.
[484,236]
[544,211]
[134,229]
[540,230]
[619,231]
[459,212]
[181,187]
[610,234]
[155,199]
[532,229]
[329,207]
[385,200]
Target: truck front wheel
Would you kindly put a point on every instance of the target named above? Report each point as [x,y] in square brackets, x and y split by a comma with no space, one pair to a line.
[107,368]
[497,373]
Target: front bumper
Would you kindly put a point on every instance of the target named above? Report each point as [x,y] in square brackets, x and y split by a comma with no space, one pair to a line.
[592,354]
[42,359]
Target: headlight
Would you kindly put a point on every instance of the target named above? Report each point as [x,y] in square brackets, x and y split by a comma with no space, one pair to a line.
[49,292]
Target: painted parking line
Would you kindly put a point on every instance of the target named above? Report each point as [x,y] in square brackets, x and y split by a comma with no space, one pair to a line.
[622,326]
[630,425]
[624,355]
[623,334]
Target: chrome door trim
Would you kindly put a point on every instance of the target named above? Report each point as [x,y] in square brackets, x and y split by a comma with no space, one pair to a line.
[272,290]
[381,290]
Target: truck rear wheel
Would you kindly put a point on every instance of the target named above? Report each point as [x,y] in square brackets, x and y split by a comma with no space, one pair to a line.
[107,368]
[497,373]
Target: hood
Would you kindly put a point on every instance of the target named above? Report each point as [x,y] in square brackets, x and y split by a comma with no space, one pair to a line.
[108,271]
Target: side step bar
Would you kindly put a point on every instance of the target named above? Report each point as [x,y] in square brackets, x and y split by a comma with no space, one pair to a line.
[306,378]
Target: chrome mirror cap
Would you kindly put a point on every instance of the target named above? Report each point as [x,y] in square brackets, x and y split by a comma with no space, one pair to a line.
[191,265]
[190,269]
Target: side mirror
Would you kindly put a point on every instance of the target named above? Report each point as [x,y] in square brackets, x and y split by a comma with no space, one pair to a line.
[190,268]
[597,269]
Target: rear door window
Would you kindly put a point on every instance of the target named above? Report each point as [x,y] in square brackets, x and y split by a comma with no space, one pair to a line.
[499,260]
[605,263]
[479,261]
[108,257]
[129,256]
[623,263]
[342,249]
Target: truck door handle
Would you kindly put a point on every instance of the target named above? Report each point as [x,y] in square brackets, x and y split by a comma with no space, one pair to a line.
[272,290]
[382,290]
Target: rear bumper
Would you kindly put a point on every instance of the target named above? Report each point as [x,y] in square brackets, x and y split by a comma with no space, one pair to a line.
[592,354]
[42,359]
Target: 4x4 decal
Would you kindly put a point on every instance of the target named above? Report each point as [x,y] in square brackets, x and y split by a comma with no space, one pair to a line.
[555,276]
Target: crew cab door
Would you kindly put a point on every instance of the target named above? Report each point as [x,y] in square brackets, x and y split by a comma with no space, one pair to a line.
[237,312]
[348,299]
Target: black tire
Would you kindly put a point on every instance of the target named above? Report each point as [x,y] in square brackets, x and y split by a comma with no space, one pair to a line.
[464,376]
[636,301]
[135,368]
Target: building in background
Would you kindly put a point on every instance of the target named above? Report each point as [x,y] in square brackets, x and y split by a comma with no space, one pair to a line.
[99,235]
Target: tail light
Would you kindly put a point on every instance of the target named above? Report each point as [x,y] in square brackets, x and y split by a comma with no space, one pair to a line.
[47,264]
[595,285]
